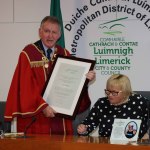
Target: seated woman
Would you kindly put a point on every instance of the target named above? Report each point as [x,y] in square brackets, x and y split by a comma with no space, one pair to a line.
[120,102]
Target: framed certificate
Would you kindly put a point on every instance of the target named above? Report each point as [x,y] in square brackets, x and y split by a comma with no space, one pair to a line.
[125,130]
[66,84]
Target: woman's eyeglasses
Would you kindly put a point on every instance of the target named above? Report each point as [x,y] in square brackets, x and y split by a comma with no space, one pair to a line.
[113,93]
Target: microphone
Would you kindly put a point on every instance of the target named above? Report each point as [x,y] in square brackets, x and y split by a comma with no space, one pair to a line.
[28,126]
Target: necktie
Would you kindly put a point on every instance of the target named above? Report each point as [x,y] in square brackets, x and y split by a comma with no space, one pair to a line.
[49,51]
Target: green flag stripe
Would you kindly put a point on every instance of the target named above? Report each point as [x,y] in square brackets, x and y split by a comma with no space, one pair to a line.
[55,10]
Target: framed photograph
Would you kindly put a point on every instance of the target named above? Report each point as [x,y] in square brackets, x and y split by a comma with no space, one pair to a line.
[67,83]
[125,130]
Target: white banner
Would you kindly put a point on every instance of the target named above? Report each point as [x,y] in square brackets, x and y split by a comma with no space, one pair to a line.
[115,33]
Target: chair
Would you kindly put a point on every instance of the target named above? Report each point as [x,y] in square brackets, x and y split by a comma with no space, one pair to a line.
[147,95]
[5,126]
[144,93]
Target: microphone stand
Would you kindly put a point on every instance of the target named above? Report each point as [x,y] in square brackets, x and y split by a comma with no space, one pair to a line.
[28,126]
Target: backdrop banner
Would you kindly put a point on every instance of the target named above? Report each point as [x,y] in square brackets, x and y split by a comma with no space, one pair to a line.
[115,33]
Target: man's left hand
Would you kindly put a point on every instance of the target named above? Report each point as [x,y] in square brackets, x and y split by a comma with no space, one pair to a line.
[91,75]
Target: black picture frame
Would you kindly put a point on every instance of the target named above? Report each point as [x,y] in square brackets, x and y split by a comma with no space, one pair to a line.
[67,83]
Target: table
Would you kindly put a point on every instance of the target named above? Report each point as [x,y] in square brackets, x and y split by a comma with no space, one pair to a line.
[61,142]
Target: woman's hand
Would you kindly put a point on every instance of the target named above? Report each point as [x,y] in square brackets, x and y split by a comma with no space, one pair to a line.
[81,129]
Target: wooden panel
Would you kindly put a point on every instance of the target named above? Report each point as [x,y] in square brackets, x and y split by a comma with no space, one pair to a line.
[57,142]
[31,10]
[6,11]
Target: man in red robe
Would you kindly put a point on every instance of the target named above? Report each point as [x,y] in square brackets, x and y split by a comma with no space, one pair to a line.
[25,99]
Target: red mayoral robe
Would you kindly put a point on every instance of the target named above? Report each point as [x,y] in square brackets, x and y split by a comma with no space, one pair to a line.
[25,100]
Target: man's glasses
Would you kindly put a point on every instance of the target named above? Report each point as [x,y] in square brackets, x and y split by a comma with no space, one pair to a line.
[113,93]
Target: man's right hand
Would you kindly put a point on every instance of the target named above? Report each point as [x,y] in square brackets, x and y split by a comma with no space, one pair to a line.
[49,112]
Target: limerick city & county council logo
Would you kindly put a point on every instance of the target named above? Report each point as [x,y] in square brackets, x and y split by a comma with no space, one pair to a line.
[112,27]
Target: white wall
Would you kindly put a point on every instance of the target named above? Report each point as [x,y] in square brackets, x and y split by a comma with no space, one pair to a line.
[19,23]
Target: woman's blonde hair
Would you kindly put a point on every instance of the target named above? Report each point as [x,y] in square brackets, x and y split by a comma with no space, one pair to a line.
[122,81]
